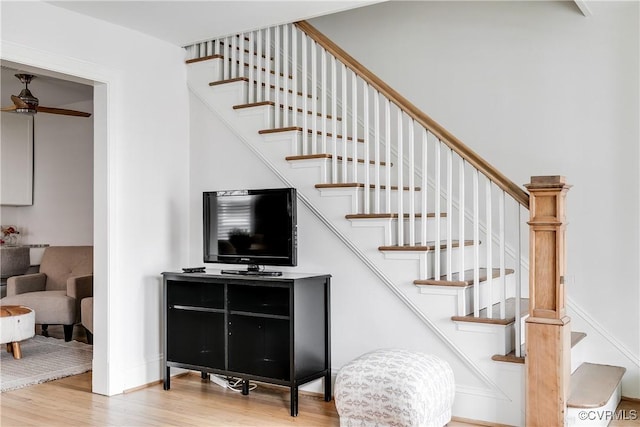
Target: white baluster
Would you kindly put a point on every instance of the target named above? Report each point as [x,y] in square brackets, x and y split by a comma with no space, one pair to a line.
[287,73]
[267,64]
[518,316]
[209,48]
[304,83]
[314,98]
[354,126]
[294,75]
[489,248]
[323,95]
[334,122]
[412,184]
[377,159]
[344,104]
[387,155]
[438,209]
[367,178]
[450,216]
[234,56]
[216,47]
[400,194]
[259,89]
[461,215]
[226,60]
[503,278]
[476,246]
[425,183]
[276,68]
[251,92]
[241,63]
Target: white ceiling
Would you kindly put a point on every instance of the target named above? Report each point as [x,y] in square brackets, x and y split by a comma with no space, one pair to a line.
[178,22]
[182,22]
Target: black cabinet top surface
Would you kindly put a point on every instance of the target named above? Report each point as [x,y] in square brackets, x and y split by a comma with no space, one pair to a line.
[216,275]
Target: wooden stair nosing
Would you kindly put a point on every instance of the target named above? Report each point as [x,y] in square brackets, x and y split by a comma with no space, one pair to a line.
[430,246]
[390,216]
[330,156]
[361,185]
[576,337]
[467,280]
[309,131]
[273,104]
[592,385]
[204,58]
[509,313]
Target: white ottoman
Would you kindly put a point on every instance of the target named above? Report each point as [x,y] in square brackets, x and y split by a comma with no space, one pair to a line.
[395,387]
[17,323]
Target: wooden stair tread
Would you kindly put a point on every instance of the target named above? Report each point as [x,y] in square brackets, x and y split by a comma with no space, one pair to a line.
[429,246]
[225,81]
[309,131]
[390,216]
[467,280]
[273,104]
[576,337]
[329,156]
[592,385]
[510,315]
[361,185]
[204,58]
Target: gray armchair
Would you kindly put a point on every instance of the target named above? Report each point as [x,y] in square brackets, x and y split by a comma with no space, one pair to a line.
[55,292]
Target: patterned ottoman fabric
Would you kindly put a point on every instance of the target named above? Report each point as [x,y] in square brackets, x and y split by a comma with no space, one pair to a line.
[395,387]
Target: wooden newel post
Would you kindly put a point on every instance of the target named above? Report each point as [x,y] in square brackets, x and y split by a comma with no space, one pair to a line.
[548,333]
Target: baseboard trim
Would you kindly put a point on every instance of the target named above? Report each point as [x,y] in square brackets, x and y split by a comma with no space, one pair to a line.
[478,422]
[630,399]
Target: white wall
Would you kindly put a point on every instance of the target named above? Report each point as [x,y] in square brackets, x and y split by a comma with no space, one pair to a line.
[140,172]
[536,89]
[62,210]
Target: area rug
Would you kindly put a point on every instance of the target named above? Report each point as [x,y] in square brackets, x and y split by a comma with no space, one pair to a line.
[43,359]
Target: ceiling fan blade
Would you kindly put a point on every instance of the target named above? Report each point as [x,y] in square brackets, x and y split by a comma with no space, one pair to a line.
[12,108]
[62,111]
[19,103]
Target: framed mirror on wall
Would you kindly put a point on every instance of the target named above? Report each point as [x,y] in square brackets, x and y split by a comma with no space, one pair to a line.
[16,159]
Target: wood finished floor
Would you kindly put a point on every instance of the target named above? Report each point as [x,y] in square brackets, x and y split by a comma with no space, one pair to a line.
[190,402]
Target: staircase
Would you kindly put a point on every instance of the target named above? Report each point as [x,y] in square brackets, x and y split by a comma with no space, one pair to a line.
[431,219]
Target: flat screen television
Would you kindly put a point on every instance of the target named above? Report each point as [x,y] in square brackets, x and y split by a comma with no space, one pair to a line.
[253,227]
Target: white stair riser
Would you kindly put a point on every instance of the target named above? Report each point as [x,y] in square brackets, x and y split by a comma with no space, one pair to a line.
[427,260]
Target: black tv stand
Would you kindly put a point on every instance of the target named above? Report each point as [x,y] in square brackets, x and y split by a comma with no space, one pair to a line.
[267,329]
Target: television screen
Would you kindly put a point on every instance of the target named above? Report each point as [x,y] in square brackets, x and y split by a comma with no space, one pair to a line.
[253,227]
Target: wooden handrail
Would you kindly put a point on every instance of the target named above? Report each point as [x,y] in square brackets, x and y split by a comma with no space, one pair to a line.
[415,113]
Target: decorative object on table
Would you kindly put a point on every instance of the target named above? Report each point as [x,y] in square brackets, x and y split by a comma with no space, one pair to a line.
[44,359]
[395,387]
[10,235]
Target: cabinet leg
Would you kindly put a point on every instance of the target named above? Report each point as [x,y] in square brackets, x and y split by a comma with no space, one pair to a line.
[167,378]
[327,387]
[245,387]
[294,401]
[204,375]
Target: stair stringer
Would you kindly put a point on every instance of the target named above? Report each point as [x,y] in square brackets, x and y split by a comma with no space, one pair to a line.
[504,381]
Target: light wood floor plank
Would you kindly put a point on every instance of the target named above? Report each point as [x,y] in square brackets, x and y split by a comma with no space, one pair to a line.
[191,402]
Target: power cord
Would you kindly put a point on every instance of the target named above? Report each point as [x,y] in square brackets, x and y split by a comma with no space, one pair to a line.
[233,384]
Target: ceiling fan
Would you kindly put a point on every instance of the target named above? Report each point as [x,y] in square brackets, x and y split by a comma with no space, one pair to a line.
[26,103]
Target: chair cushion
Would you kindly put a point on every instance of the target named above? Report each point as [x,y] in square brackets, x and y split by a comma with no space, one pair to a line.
[86,313]
[61,262]
[51,307]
